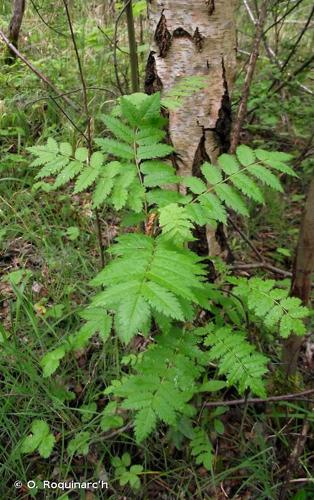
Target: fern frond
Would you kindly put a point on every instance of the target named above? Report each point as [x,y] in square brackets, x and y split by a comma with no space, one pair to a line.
[70,171]
[246,155]
[176,224]
[248,187]
[136,276]
[157,173]
[231,198]
[115,148]
[276,160]
[211,173]
[238,360]
[272,305]
[52,166]
[151,392]
[202,448]
[86,178]
[154,151]
[213,207]
[265,176]
[229,164]
[195,184]
[121,131]
[149,135]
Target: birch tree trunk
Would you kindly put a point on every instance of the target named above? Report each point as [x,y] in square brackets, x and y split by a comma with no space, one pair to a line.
[195,38]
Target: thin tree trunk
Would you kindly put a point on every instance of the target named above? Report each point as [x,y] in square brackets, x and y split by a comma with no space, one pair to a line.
[15,26]
[302,278]
[249,77]
[195,38]
[132,47]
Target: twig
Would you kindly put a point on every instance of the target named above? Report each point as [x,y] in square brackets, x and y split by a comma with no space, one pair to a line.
[249,11]
[118,431]
[263,265]
[111,42]
[283,397]
[283,17]
[85,98]
[115,38]
[89,130]
[298,39]
[302,480]
[68,117]
[248,78]
[294,456]
[295,73]
[43,20]
[246,239]
[244,415]
[40,75]
[272,57]
[43,98]
[271,54]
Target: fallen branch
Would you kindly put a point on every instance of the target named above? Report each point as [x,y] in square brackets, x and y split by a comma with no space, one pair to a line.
[263,265]
[283,397]
[293,459]
[246,239]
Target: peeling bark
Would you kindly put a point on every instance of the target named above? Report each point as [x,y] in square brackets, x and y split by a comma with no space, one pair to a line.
[211,6]
[302,278]
[163,37]
[195,38]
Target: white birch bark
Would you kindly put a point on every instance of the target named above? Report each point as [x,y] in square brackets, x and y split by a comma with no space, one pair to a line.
[195,37]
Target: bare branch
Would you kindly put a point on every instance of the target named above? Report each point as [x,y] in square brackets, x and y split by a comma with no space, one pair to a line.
[89,129]
[263,265]
[248,78]
[301,396]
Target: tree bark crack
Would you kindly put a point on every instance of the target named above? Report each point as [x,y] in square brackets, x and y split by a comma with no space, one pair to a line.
[163,36]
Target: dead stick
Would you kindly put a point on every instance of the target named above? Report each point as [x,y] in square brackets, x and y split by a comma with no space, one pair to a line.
[282,397]
[88,137]
[294,456]
[263,265]
[246,239]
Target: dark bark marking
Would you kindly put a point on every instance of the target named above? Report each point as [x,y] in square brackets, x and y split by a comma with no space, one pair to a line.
[198,40]
[222,129]
[163,36]
[211,6]
[181,32]
[200,157]
[200,246]
[152,81]
[223,243]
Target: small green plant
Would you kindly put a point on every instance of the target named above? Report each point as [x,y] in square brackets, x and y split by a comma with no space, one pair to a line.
[41,439]
[155,286]
[79,445]
[202,449]
[125,472]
